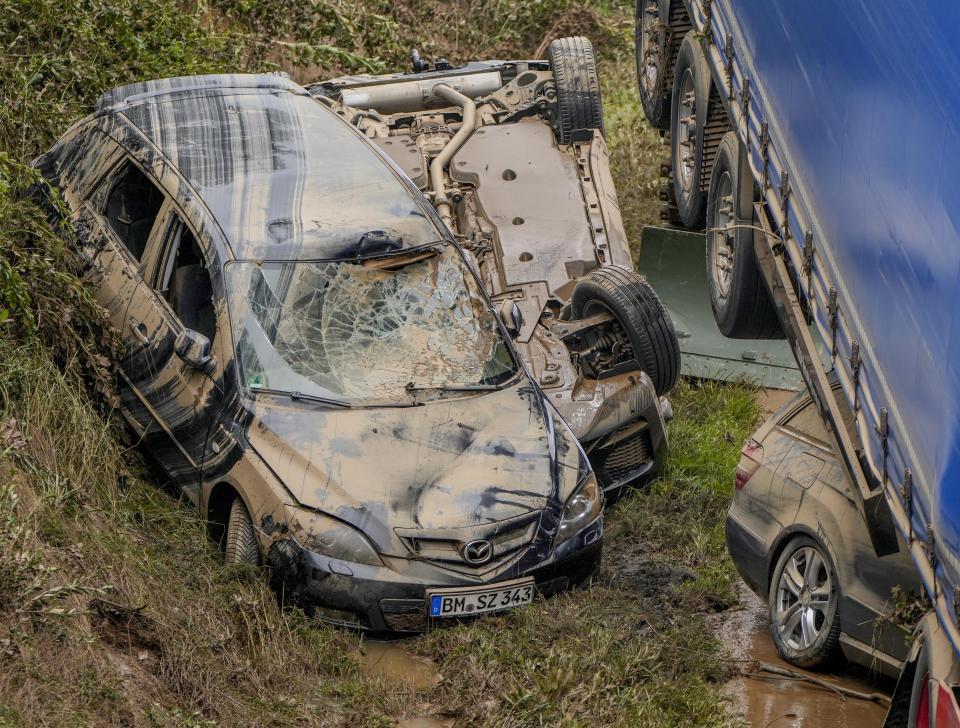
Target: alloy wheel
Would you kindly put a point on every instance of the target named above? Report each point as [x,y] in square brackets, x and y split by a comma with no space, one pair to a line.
[803,598]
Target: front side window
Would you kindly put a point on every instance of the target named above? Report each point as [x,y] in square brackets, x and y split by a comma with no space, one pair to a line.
[381,331]
[184,280]
[131,207]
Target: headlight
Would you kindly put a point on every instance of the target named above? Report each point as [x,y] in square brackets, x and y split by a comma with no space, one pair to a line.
[580,510]
[336,540]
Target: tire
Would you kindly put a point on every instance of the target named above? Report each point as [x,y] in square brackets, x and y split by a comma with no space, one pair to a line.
[741,303]
[241,542]
[806,634]
[650,42]
[627,295]
[578,87]
[689,109]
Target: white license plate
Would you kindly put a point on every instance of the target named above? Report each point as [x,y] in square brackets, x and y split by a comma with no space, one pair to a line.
[479,600]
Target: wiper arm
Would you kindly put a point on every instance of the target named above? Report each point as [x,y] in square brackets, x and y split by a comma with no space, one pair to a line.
[328,401]
[413,387]
[301,397]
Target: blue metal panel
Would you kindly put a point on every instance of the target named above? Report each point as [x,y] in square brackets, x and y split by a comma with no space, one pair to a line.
[863,102]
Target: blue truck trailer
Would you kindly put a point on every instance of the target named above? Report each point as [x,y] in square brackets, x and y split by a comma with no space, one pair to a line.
[818,144]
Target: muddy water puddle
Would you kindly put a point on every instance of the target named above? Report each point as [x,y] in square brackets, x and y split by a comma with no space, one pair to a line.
[777,702]
[397,667]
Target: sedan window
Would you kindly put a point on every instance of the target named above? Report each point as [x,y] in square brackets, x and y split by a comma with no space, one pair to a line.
[808,421]
[185,282]
[131,208]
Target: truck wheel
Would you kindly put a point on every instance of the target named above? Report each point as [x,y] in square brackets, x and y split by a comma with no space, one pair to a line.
[803,601]
[739,297]
[643,319]
[650,35]
[688,119]
[578,87]
[241,542]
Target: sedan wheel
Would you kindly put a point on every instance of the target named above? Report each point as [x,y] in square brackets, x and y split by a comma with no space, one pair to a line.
[803,604]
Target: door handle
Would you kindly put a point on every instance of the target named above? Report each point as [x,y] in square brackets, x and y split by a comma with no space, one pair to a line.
[140,331]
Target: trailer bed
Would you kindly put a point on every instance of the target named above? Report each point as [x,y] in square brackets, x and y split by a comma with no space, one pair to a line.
[854,140]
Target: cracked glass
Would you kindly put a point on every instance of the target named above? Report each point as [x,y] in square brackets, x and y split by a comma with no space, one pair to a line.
[377,331]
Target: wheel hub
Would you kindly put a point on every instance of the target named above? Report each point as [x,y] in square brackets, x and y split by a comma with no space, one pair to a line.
[803,599]
[650,47]
[721,231]
[687,117]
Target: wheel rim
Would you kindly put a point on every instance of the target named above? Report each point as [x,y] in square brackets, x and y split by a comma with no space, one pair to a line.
[648,65]
[722,237]
[804,593]
[687,132]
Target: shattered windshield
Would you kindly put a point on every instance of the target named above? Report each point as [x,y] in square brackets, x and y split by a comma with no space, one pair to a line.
[368,332]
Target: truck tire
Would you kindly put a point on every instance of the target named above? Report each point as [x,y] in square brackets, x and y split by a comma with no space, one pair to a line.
[643,318]
[578,87]
[241,541]
[650,36]
[689,109]
[741,303]
[804,600]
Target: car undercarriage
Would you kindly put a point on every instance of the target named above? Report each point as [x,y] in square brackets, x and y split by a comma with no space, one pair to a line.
[513,159]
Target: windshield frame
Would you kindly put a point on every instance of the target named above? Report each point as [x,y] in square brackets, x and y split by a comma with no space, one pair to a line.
[251,393]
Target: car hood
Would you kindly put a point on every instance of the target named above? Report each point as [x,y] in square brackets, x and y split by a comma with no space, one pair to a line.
[451,463]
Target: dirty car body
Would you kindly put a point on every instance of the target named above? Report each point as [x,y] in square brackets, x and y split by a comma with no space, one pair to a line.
[306,346]
[529,196]
[792,489]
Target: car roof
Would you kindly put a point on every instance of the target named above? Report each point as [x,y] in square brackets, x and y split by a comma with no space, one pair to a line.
[282,175]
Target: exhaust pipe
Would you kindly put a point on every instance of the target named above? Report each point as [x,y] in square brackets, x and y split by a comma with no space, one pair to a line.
[440,199]
[400,96]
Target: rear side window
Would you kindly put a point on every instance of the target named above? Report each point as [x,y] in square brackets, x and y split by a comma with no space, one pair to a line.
[131,207]
[807,420]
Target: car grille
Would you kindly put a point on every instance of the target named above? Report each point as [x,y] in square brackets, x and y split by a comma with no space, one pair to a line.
[445,546]
[624,459]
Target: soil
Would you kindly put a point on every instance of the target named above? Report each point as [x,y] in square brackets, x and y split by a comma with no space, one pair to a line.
[778,702]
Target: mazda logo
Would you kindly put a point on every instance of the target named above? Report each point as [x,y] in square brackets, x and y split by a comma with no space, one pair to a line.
[478,552]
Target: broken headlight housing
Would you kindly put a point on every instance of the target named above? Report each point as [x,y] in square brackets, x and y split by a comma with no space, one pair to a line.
[334,539]
[581,509]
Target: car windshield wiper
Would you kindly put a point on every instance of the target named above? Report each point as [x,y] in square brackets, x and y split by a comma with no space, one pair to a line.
[301,397]
[414,387]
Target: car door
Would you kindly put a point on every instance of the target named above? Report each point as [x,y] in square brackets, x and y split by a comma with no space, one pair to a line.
[113,226]
[176,299]
[868,580]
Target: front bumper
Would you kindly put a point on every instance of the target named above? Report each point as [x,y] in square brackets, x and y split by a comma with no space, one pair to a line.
[392,598]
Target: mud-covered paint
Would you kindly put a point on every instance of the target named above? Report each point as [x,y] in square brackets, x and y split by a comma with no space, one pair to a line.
[343,500]
[534,214]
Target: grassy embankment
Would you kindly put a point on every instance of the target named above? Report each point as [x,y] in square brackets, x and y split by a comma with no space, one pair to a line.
[114,608]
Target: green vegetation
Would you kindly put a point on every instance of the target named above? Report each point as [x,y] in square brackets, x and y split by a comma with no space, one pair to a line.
[114,608]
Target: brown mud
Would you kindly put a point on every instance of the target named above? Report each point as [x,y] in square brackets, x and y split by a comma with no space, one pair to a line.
[397,667]
[778,702]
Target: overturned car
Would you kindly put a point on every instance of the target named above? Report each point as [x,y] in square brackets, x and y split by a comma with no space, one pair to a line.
[512,156]
[313,359]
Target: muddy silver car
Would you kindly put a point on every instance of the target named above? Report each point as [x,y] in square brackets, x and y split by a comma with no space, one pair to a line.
[798,540]
[512,156]
[310,356]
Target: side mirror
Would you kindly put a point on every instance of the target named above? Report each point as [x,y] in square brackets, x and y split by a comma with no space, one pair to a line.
[194,348]
[511,316]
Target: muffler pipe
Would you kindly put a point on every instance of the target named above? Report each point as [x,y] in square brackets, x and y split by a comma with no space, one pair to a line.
[440,199]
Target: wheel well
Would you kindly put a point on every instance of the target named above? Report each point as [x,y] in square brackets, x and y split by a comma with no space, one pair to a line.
[218,511]
[785,538]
